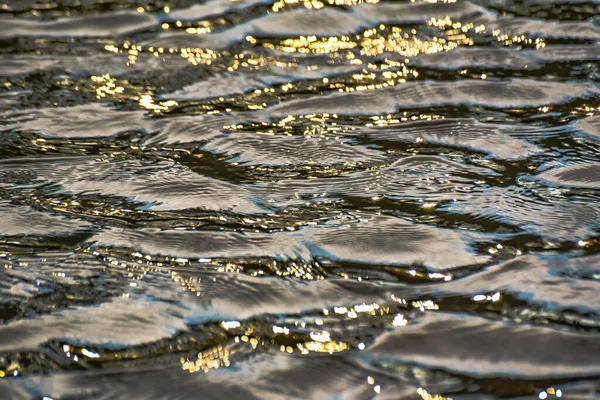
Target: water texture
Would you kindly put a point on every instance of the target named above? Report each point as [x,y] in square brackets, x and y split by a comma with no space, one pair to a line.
[299,199]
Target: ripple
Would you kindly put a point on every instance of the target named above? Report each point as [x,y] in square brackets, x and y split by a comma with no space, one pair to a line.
[510,351]
[512,94]
[500,141]
[521,278]
[89,26]
[590,126]
[583,175]
[393,241]
[140,181]
[480,57]
[90,323]
[552,218]
[205,244]
[22,220]
[80,121]
[375,239]
[253,149]
[548,29]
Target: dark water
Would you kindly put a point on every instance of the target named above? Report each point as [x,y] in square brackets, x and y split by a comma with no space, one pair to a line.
[299,200]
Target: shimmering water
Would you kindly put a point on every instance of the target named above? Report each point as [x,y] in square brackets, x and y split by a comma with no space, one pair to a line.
[299,199]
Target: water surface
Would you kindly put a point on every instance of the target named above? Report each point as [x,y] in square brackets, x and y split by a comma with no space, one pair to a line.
[313,199]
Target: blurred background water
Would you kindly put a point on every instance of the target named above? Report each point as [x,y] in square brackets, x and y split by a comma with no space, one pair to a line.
[299,199]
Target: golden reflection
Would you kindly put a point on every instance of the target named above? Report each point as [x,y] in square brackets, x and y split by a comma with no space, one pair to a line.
[111,48]
[406,43]
[188,285]
[298,270]
[426,396]
[324,126]
[148,102]
[425,305]
[398,300]
[322,347]
[393,119]
[194,55]
[210,359]
[586,110]
[198,31]
[106,86]
[550,391]
[373,42]
[312,44]
[508,40]
[376,41]
[456,30]
[316,4]
[353,312]
[367,308]
[277,6]
[351,2]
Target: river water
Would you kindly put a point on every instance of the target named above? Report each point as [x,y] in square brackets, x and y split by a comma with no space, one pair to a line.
[314,199]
